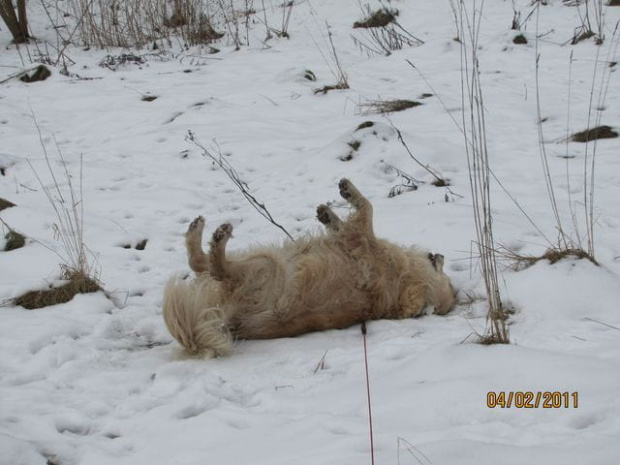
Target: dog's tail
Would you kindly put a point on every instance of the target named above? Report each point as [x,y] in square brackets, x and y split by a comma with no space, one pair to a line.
[200,329]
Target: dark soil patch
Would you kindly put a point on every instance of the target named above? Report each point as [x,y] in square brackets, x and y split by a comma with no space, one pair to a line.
[600,132]
[365,124]
[379,18]
[149,98]
[425,95]
[14,240]
[40,73]
[441,182]
[4,204]
[355,146]
[141,245]
[519,39]
[76,283]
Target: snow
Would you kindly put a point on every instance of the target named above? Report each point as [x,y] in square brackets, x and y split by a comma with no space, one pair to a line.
[99,380]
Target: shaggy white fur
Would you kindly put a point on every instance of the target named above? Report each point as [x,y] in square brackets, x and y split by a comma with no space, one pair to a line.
[329,281]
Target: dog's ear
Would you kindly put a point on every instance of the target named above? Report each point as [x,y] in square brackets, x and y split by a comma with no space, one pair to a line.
[437,260]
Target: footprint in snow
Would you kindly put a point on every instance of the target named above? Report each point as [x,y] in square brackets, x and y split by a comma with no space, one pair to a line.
[74,423]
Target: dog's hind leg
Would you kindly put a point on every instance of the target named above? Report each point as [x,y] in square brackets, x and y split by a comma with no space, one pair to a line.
[196,257]
[219,267]
[361,220]
[327,216]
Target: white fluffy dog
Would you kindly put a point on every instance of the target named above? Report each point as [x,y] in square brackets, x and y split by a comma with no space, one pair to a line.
[343,277]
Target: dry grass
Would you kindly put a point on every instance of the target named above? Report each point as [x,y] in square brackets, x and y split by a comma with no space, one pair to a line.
[390,106]
[379,18]
[478,164]
[552,255]
[599,132]
[65,198]
[136,23]
[490,339]
[75,283]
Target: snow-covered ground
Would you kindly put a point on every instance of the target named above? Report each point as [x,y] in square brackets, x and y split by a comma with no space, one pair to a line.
[100,381]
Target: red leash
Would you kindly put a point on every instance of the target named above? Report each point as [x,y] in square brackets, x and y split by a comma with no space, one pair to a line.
[372,442]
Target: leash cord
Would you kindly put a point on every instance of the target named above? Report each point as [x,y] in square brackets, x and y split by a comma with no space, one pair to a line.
[372,442]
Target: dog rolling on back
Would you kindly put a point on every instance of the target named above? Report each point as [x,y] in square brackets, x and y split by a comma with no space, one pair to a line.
[330,281]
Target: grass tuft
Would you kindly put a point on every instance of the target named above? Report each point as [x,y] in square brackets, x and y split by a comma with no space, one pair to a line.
[491,339]
[552,255]
[75,283]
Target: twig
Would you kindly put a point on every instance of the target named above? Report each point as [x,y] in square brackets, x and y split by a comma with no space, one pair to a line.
[230,171]
[601,323]
[411,449]
[543,151]
[493,175]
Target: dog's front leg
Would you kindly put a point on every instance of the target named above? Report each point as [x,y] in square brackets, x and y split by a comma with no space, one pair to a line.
[219,267]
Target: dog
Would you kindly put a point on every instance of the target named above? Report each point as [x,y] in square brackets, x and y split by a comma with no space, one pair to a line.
[333,280]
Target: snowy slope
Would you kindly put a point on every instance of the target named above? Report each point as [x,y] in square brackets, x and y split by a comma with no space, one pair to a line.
[97,381]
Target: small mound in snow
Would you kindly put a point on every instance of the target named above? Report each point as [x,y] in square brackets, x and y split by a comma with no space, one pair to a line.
[75,283]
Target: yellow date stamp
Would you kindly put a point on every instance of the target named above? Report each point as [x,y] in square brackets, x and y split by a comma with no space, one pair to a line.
[530,399]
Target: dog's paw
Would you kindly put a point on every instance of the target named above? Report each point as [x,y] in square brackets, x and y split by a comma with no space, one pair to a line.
[197,225]
[223,232]
[195,228]
[345,188]
[322,214]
